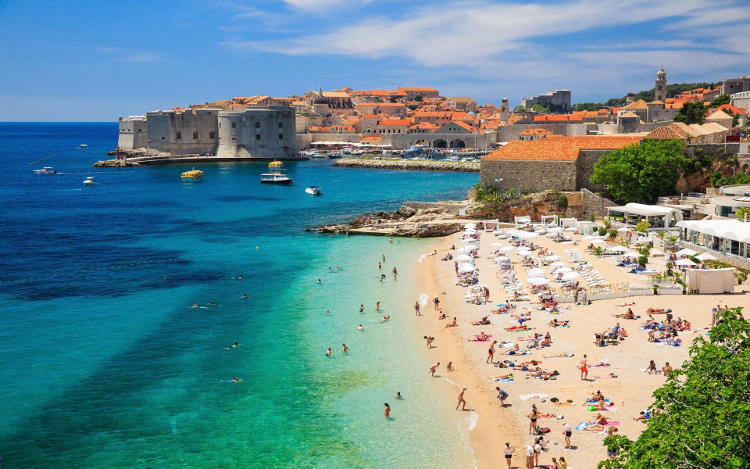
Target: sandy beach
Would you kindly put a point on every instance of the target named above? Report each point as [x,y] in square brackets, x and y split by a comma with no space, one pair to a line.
[623,383]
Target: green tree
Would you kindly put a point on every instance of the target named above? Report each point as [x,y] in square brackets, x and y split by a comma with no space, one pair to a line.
[519,108]
[418,98]
[642,172]
[742,212]
[720,101]
[702,413]
[562,201]
[690,113]
[539,108]
[642,226]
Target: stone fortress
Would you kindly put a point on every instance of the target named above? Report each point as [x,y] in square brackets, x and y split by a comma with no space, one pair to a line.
[248,132]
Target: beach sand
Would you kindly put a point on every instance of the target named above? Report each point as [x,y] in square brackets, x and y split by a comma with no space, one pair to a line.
[630,391]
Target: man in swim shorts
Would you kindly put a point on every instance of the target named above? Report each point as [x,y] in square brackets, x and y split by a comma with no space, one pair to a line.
[584,368]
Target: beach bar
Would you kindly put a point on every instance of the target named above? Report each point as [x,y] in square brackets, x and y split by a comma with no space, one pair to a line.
[728,237]
[657,217]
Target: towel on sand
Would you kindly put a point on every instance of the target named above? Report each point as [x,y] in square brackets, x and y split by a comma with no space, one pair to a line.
[527,397]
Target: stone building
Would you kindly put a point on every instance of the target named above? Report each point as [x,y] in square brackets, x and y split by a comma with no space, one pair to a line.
[555,162]
[462,103]
[252,132]
[660,87]
[412,93]
[555,101]
[736,85]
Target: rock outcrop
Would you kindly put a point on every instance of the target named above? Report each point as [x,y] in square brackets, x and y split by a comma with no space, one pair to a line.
[123,163]
[419,165]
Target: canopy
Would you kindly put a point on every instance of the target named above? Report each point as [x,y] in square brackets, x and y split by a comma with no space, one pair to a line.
[706,257]
[617,248]
[470,225]
[557,264]
[684,262]
[685,252]
[465,267]
[536,273]
[728,229]
[570,276]
[538,281]
[464,258]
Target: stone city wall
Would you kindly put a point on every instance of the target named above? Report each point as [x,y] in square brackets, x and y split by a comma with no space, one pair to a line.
[510,132]
[267,132]
[528,176]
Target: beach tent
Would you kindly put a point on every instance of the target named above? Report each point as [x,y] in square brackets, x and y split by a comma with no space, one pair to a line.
[685,252]
[684,262]
[464,258]
[465,267]
[706,257]
[708,281]
[570,276]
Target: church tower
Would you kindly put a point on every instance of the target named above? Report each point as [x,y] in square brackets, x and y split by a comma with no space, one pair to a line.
[660,90]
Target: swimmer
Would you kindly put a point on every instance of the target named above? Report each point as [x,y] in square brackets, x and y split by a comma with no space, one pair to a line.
[387,410]
[398,395]
[360,328]
[235,380]
[361,308]
[239,277]
[385,318]
[377,306]
[395,273]
[235,345]
[319,282]
[338,268]
[344,348]
[244,296]
[195,305]
[380,266]
[328,352]
[382,277]
[166,277]
[383,257]
[328,311]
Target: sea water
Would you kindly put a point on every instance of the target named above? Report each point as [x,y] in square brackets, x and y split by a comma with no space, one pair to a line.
[105,361]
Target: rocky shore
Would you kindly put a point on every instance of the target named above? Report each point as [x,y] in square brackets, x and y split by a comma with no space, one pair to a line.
[419,165]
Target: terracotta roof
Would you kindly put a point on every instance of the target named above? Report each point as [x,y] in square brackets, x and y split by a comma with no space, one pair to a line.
[640,104]
[559,148]
[558,118]
[733,109]
[678,130]
[424,126]
[372,138]
[433,114]
[466,126]
[658,101]
[629,114]
[394,122]
[335,94]
[719,115]
[536,131]
[416,89]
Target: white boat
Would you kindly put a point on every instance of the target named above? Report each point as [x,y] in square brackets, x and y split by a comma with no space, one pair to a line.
[84,146]
[314,154]
[89,181]
[357,152]
[46,171]
[313,190]
[275,178]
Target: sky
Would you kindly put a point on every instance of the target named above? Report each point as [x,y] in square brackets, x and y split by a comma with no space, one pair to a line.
[95,61]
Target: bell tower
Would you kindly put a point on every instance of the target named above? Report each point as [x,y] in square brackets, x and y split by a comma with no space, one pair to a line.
[660,89]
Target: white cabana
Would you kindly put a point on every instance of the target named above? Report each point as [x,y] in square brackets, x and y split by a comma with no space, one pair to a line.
[706,257]
[656,215]
[536,273]
[570,276]
[685,252]
[522,221]
[464,258]
[684,262]
[710,280]
[549,220]
[725,236]
[465,268]
[585,227]
[470,225]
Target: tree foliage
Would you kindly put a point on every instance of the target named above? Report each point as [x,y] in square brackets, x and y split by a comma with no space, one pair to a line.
[540,108]
[691,113]
[642,172]
[519,108]
[702,413]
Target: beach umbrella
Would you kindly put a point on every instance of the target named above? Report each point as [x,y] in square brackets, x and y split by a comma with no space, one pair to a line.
[631,254]
[570,276]
[552,258]
[524,253]
[536,273]
[685,252]
[706,257]
[507,249]
[684,262]
[465,267]
[538,281]
[496,245]
[557,264]
[502,259]
[470,225]
[617,249]
[597,241]
[563,270]
[464,258]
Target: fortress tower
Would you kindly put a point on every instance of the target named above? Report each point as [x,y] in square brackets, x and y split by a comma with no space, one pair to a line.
[660,89]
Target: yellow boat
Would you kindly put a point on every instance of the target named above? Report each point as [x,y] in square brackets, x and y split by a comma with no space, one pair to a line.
[194,175]
[276,164]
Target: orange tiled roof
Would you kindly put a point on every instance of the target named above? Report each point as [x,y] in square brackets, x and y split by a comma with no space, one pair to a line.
[558,148]
[394,122]
[416,89]
[558,118]
[424,126]
[678,130]
[640,104]
[465,126]
[735,110]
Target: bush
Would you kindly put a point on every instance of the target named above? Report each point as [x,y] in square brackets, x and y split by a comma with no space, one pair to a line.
[602,231]
[562,201]
[642,226]
[642,261]
[612,234]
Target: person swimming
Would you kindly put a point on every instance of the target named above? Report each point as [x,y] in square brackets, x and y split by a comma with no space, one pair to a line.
[398,395]
[235,345]
[244,296]
[344,348]
[328,352]
[385,318]
[360,328]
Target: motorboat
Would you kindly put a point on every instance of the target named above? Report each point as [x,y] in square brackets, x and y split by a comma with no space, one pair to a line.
[46,171]
[275,178]
[194,175]
[357,152]
[314,154]
[89,181]
[84,146]
[313,190]
[276,164]
[334,154]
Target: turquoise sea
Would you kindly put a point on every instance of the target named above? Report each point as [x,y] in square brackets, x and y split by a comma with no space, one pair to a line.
[105,363]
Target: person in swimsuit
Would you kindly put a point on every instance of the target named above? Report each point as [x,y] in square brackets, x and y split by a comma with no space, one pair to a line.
[567,432]
[344,348]
[361,308]
[584,368]
[491,352]
[416,309]
[461,400]
[436,302]
[237,344]
[328,352]
[387,411]
[502,395]
[433,368]
[377,306]
[533,415]
[508,453]
[449,367]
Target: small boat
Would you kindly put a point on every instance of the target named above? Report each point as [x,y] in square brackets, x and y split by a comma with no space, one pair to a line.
[275,178]
[313,190]
[194,175]
[84,146]
[276,164]
[46,171]
[89,181]
[334,154]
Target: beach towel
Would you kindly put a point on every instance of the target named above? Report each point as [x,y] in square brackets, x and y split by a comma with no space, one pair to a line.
[503,380]
[614,423]
[564,404]
[527,397]
[609,376]
[564,355]
[582,426]
[608,408]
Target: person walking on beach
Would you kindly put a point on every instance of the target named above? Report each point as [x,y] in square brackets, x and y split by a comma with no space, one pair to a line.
[461,400]
[491,352]
[429,340]
[533,415]
[433,368]
[584,368]
[416,309]
[529,456]
[436,302]
[563,464]
[567,433]
[387,411]
[449,367]
[508,453]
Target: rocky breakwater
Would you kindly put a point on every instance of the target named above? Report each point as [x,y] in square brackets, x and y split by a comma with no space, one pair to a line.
[406,221]
[417,165]
[122,163]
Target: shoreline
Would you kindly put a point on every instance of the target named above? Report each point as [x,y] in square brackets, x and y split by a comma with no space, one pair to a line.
[414,165]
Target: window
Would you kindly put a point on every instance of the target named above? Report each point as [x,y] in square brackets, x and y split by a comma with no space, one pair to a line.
[212,135]
[257,137]
[257,125]
[234,138]
[195,135]
[234,124]
[281,125]
[179,135]
[281,136]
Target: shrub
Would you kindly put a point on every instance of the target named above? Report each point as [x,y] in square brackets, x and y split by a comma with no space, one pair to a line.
[612,234]
[642,226]
[562,201]
[642,261]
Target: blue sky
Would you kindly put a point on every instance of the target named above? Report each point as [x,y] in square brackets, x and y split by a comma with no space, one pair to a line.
[95,61]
